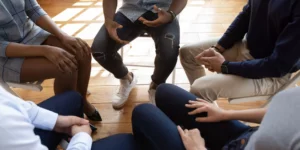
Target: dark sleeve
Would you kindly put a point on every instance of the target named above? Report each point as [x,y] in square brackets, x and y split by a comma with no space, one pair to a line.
[237,29]
[282,61]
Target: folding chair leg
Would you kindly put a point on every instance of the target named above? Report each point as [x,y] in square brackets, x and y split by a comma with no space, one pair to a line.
[174,76]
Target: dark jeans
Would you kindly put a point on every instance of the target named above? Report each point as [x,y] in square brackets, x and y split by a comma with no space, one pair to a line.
[155,128]
[61,105]
[166,38]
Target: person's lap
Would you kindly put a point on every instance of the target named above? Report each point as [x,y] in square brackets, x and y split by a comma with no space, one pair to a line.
[166,38]
[216,85]
[60,104]
[172,99]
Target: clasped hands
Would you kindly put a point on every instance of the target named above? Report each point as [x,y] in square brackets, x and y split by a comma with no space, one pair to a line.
[211,59]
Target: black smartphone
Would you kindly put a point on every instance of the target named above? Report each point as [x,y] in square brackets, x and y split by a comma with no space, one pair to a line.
[93,128]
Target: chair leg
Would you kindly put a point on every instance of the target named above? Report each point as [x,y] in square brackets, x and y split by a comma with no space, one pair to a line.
[174,76]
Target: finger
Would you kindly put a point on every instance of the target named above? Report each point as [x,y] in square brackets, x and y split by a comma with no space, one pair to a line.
[201,100]
[70,47]
[65,66]
[201,54]
[142,19]
[87,46]
[195,131]
[181,133]
[198,110]
[205,63]
[153,23]
[211,70]
[193,102]
[59,67]
[71,57]
[194,105]
[78,121]
[117,39]
[70,63]
[156,8]
[207,59]
[186,131]
[83,46]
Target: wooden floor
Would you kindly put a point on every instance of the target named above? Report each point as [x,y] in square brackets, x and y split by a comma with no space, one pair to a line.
[200,20]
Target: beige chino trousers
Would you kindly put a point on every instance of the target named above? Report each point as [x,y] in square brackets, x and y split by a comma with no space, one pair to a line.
[214,86]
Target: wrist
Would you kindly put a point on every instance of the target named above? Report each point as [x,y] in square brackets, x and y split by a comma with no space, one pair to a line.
[61,35]
[227,115]
[172,15]
[220,48]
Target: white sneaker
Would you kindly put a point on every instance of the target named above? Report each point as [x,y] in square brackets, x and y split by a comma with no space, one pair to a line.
[151,94]
[125,88]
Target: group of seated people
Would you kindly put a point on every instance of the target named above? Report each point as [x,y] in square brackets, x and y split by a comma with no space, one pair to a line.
[255,56]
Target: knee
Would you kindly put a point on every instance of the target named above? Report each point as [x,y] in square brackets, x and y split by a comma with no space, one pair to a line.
[185,52]
[204,88]
[160,95]
[141,111]
[75,100]
[86,59]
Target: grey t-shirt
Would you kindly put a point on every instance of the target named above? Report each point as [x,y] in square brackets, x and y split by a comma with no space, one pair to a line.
[280,128]
[133,9]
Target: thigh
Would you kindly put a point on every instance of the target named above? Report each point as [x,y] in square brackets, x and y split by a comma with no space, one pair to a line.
[116,142]
[153,130]
[104,44]
[221,85]
[61,105]
[172,99]
[215,86]
[38,68]
[166,37]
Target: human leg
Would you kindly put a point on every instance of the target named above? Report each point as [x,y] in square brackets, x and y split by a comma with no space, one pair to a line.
[116,142]
[60,104]
[172,99]
[153,130]
[166,38]
[105,52]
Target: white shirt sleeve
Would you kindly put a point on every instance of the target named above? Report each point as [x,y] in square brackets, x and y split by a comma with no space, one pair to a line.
[40,117]
[17,132]
[18,120]
[80,141]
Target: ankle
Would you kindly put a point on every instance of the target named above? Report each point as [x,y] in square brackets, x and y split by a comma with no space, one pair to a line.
[153,86]
[128,77]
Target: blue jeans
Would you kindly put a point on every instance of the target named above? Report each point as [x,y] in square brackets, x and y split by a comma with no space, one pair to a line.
[166,38]
[155,127]
[61,105]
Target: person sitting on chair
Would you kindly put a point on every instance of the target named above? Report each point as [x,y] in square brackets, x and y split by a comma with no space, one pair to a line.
[156,17]
[33,48]
[258,65]
[182,122]
[27,126]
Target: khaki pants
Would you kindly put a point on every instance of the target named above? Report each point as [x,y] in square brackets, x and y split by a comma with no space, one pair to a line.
[221,85]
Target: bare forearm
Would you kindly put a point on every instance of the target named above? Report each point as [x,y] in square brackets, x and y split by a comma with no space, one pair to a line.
[46,23]
[250,115]
[177,6]
[22,50]
[109,9]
